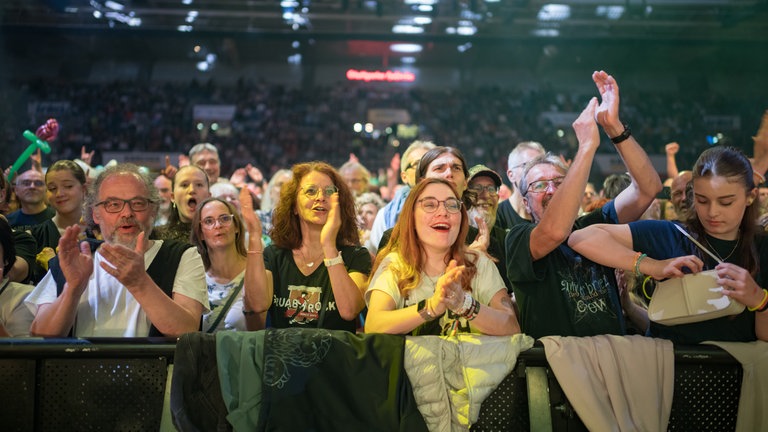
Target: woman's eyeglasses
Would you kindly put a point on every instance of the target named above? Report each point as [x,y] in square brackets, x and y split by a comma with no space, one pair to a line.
[224,221]
[313,191]
[430,205]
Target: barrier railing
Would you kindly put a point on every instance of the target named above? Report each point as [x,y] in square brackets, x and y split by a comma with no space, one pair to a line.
[120,384]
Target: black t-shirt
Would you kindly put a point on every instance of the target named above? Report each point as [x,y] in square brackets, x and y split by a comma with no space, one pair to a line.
[563,293]
[507,217]
[308,301]
[21,221]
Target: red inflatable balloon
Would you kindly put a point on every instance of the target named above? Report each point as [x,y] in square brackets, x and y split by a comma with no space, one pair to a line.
[49,131]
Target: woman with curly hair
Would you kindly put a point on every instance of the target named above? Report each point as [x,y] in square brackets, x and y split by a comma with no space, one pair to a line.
[426,273]
[313,273]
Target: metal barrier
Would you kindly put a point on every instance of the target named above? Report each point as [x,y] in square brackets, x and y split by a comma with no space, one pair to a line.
[119,385]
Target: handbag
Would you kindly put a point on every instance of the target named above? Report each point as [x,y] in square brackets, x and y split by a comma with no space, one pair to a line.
[691,298]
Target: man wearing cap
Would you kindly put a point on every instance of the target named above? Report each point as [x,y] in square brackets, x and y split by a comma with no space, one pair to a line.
[484,183]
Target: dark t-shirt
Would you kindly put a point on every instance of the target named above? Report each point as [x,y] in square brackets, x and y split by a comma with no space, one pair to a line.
[563,293]
[26,248]
[21,221]
[661,240]
[297,298]
[507,217]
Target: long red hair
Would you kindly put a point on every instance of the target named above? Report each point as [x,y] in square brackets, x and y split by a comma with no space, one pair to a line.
[405,242]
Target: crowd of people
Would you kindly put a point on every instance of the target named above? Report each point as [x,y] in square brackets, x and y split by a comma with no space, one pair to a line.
[443,247]
[279,126]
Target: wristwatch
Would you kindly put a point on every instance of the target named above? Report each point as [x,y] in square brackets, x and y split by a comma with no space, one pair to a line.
[424,311]
[333,261]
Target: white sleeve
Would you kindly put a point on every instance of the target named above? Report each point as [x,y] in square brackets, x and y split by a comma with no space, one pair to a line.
[487,282]
[385,281]
[190,278]
[43,293]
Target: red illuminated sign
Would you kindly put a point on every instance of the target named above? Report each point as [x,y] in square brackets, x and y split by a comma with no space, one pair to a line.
[389,76]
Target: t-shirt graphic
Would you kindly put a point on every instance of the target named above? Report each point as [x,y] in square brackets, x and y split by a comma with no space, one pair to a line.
[304,304]
[587,292]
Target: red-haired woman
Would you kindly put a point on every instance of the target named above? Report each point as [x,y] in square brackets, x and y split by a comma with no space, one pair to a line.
[426,270]
[314,272]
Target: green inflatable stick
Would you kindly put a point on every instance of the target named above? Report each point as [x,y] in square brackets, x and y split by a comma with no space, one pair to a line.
[35,143]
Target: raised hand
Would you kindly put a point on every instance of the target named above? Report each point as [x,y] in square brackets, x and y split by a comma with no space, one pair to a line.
[75,259]
[607,114]
[449,295]
[238,177]
[169,170]
[255,174]
[483,238]
[183,160]
[672,148]
[126,264]
[86,156]
[332,223]
[252,221]
[585,127]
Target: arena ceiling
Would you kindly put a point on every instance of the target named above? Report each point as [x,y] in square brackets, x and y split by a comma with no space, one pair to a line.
[449,31]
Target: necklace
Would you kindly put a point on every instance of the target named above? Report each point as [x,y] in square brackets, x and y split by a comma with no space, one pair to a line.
[308,263]
[738,240]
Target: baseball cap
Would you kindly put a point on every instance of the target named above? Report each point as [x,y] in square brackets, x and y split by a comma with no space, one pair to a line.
[482,170]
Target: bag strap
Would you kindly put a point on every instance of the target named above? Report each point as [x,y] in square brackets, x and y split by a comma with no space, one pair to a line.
[5,285]
[226,306]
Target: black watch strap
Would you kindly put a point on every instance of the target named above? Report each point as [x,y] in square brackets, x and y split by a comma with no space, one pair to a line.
[622,136]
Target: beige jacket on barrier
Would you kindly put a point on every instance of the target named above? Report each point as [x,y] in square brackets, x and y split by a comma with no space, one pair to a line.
[454,375]
[753,356]
[615,383]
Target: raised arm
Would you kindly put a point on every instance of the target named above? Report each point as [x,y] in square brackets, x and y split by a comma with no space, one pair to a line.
[347,287]
[671,150]
[57,318]
[635,199]
[557,221]
[258,286]
[172,316]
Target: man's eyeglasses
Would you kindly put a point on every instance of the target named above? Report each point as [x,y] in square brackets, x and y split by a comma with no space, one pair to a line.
[30,183]
[313,191]
[540,186]
[478,189]
[224,221]
[116,205]
[430,205]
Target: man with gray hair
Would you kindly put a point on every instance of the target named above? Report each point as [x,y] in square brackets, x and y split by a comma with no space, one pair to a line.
[130,286]
[206,156]
[558,292]
[512,210]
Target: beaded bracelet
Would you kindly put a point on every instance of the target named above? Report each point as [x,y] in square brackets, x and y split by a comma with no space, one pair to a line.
[639,258]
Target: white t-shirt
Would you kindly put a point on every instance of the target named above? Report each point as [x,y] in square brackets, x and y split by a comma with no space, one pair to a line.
[14,315]
[108,309]
[218,295]
[486,283]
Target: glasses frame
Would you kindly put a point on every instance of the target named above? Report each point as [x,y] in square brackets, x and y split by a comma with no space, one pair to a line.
[478,189]
[443,202]
[217,221]
[30,183]
[555,181]
[320,190]
[129,201]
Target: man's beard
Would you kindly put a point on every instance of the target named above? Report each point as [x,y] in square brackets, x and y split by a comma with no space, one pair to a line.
[487,213]
[129,242]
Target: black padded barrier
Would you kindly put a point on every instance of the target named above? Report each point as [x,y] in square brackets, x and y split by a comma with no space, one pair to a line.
[119,384]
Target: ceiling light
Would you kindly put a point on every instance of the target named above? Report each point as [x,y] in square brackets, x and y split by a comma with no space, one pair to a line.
[405,48]
[407,28]
[408,60]
[610,12]
[184,28]
[114,5]
[554,12]
[546,32]
[422,20]
[203,66]
[186,2]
